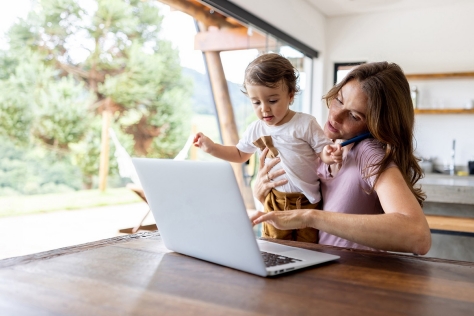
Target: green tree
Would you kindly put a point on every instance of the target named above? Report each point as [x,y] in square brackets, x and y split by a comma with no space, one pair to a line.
[115,48]
[36,104]
[87,57]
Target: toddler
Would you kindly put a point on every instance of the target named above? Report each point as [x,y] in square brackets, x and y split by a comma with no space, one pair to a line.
[296,138]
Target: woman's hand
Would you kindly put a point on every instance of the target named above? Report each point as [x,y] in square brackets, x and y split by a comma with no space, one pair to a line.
[293,219]
[264,182]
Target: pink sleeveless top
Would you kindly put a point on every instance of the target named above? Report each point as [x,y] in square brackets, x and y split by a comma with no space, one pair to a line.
[347,191]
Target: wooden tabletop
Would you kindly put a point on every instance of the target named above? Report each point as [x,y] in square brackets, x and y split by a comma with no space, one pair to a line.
[137,275]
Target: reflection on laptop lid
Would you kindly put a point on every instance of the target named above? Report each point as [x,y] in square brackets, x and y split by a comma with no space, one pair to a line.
[200,212]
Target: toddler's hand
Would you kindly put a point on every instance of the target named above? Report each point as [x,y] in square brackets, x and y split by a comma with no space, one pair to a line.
[203,142]
[335,151]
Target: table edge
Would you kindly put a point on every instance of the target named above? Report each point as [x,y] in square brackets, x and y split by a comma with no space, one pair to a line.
[319,247]
[7,262]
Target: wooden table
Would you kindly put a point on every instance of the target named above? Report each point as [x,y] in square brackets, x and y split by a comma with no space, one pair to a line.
[137,275]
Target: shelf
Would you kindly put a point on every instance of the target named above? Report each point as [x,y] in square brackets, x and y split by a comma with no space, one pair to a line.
[440,75]
[444,111]
[446,75]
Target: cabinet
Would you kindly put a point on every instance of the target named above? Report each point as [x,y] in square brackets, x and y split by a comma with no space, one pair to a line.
[442,76]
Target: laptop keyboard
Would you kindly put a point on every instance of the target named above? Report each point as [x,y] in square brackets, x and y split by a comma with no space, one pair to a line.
[272,259]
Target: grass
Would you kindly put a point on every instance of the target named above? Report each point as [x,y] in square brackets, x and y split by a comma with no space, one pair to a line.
[29,204]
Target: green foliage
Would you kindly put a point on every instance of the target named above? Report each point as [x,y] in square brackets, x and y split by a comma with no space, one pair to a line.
[30,171]
[15,113]
[37,103]
[69,56]
[145,90]
[7,64]
[59,125]
[86,153]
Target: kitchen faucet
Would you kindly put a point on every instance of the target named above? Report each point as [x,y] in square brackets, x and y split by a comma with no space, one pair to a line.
[452,170]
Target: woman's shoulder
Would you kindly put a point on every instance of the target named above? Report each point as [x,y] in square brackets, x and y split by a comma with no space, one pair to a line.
[368,150]
[369,144]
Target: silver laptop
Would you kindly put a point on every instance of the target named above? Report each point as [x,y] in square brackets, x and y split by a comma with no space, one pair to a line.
[200,212]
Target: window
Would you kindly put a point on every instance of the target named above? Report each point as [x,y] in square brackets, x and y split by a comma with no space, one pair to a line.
[342,69]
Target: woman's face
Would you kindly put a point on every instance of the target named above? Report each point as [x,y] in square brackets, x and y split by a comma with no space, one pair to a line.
[347,112]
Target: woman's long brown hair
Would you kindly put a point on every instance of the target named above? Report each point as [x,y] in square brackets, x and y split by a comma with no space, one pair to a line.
[390,117]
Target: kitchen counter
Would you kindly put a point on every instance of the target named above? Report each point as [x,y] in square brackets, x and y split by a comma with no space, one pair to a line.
[448,199]
[442,179]
[448,189]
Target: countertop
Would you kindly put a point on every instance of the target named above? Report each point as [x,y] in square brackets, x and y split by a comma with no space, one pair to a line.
[442,179]
[448,189]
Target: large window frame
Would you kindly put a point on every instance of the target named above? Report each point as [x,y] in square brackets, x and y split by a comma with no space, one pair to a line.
[230,9]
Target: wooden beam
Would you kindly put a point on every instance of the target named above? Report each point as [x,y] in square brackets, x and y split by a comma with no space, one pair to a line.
[201,13]
[222,98]
[225,112]
[232,39]
[104,151]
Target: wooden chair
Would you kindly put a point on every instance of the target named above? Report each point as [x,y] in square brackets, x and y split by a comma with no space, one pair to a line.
[139,191]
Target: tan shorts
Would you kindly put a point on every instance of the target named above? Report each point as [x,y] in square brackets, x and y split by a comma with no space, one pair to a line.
[280,201]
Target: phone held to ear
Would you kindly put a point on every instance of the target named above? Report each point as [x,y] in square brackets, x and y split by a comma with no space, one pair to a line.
[356,139]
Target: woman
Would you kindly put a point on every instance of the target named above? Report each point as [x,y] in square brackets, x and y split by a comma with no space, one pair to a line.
[371,202]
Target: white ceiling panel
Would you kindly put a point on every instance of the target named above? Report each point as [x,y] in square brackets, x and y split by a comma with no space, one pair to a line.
[332,8]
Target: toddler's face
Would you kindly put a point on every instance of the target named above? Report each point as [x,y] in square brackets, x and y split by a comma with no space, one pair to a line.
[270,104]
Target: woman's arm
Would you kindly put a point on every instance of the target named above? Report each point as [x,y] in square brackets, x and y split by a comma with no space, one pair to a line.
[402,227]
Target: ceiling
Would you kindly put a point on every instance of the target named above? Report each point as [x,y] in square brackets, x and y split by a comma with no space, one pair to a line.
[333,8]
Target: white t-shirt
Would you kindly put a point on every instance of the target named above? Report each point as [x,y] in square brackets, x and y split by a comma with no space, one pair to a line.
[298,142]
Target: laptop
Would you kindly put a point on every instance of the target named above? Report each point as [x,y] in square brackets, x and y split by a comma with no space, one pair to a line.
[200,212]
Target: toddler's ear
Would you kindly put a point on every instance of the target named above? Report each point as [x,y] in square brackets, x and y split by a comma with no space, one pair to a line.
[292,98]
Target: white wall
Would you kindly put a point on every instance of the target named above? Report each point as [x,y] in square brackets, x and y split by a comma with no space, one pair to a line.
[431,40]
[435,133]
[297,18]
[438,39]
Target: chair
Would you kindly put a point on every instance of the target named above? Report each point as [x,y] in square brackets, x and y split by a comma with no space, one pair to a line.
[127,170]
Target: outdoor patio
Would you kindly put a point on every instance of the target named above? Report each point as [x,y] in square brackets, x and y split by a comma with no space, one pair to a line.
[22,235]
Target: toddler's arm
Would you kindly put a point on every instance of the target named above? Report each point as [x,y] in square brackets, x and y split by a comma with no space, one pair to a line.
[229,153]
[332,154]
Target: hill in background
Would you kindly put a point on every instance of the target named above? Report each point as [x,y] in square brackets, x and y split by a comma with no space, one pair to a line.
[202,101]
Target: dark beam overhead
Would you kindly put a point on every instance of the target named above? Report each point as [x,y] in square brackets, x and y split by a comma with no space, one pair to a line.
[230,9]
